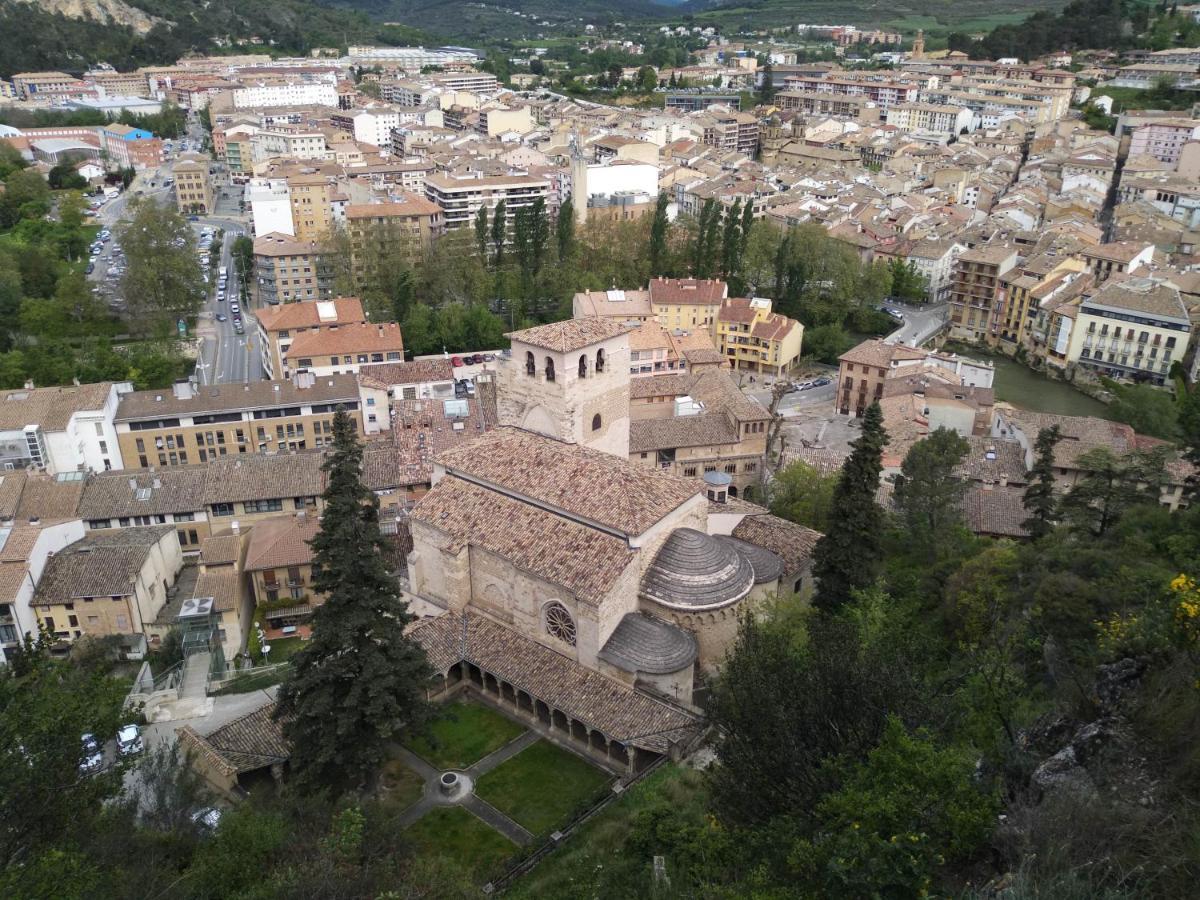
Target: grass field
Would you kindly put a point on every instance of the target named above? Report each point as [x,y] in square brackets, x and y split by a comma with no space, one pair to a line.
[455,834]
[541,786]
[464,735]
[400,786]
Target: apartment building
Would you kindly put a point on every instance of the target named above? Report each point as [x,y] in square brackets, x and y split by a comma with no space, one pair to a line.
[279,566]
[864,371]
[287,93]
[687,302]
[734,131]
[883,93]
[460,199]
[343,350]
[693,424]
[931,117]
[130,148]
[374,127]
[1164,139]
[495,121]
[1117,258]
[107,583]
[752,338]
[823,103]
[36,85]
[24,551]
[1131,329]
[187,425]
[1026,285]
[279,325]
[382,385]
[287,270]
[140,497]
[61,429]
[311,197]
[270,203]
[934,261]
[193,188]
[287,142]
[406,224]
[974,291]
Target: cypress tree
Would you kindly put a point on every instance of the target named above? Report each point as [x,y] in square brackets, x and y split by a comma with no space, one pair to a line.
[731,243]
[565,229]
[499,233]
[747,224]
[701,252]
[359,683]
[848,556]
[539,233]
[1040,498]
[658,237]
[712,240]
[481,233]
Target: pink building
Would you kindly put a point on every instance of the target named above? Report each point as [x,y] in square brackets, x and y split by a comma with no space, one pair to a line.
[1164,138]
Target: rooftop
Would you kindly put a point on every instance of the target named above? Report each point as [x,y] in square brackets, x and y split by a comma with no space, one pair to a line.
[695,571]
[363,337]
[311,314]
[571,334]
[50,407]
[102,564]
[643,643]
[281,541]
[163,403]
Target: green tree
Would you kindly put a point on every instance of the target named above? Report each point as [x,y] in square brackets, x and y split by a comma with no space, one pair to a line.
[647,79]
[1040,499]
[848,556]
[658,237]
[1110,485]
[65,176]
[359,683]
[801,494]
[242,252]
[162,280]
[564,229]
[499,234]
[1149,410]
[929,493]
[766,90]
[481,233]
[731,247]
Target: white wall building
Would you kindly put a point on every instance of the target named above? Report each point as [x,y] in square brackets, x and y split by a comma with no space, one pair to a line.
[16,615]
[374,126]
[292,93]
[270,202]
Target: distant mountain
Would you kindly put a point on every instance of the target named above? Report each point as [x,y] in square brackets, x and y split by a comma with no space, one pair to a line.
[903,15]
[74,34]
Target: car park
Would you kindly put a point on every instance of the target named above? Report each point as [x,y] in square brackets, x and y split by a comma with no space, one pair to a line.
[129,740]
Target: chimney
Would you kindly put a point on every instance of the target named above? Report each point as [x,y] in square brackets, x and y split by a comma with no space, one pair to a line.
[183,389]
[304,379]
[29,384]
[133,484]
[235,527]
[157,483]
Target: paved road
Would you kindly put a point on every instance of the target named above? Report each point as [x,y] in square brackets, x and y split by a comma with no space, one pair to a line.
[225,356]
[921,322]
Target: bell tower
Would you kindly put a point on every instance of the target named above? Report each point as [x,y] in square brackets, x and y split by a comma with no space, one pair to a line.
[918,47]
[570,381]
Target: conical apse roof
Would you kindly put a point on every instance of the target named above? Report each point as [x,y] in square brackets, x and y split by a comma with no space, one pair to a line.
[694,571]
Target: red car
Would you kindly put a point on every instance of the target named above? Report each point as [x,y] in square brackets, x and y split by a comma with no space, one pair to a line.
[456,361]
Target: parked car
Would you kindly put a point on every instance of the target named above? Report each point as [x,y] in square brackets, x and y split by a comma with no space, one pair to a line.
[221,317]
[129,740]
[235,308]
[822,381]
[489,357]
[802,386]
[93,755]
[456,361]
[208,817]
[91,267]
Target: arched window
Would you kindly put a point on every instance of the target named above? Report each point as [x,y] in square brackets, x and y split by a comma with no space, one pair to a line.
[600,360]
[530,364]
[549,369]
[596,422]
[559,623]
[583,367]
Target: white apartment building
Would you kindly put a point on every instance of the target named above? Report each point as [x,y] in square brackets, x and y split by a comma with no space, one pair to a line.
[374,126]
[61,429]
[291,93]
[291,144]
[1164,138]
[16,612]
[462,198]
[409,58]
[270,203]
[933,117]
[934,261]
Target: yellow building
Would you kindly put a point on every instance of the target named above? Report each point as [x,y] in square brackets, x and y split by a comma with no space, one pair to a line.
[193,190]
[312,206]
[1024,286]
[755,339]
[184,426]
[687,303]
[279,563]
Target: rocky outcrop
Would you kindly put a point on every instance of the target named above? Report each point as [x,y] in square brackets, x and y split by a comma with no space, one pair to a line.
[107,12]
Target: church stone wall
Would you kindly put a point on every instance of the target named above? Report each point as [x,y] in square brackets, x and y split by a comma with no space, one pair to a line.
[437,573]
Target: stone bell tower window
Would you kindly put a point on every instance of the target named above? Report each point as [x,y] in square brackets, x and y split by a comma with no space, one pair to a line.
[549,369]
[583,367]
[600,360]
[559,623]
[596,422]
[530,364]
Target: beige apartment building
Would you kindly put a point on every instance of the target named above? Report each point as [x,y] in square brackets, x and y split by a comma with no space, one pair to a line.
[975,289]
[193,188]
[108,583]
[311,197]
[460,199]
[183,426]
[287,270]
[279,565]
[343,350]
[279,325]
[377,230]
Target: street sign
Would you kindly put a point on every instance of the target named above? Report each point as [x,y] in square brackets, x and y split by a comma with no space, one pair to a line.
[182,326]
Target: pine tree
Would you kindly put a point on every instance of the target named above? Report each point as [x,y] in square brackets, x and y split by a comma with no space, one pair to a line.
[847,558]
[781,265]
[481,233]
[1040,498]
[359,683]
[564,229]
[731,244]
[658,237]
[766,93]
[499,233]
[929,496]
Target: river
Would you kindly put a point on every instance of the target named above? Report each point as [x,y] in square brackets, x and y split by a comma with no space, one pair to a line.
[1022,387]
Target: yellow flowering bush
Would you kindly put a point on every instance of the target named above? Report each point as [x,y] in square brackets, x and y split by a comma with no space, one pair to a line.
[1187,608]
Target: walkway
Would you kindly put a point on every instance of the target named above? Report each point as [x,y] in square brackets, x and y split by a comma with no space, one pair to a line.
[195,676]
[482,810]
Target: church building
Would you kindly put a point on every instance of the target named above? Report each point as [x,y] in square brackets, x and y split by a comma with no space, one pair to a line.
[582,592]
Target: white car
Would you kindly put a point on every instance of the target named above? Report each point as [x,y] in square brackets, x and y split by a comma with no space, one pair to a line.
[93,755]
[129,740]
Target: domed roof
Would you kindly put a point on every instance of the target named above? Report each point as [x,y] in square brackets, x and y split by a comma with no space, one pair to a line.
[694,571]
[642,643]
[767,566]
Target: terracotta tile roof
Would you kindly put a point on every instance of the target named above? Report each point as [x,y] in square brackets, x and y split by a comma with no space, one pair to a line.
[792,543]
[418,371]
[995,511]
[594,486]
[826,462]
[1140,295]
[277,244]
[583,560]
[236,397]
[311,313]
[257,476]
[687,291]
[993,460]
[12,483]
[421,430]
[45,497]
[620,712]
[672,385]
[50,407]
[736,309]
[366,337]
[132,492]
[102,564]
[19,543]
[412,205]
[614,304]
[706,429]
[571,334]
[251,742]
[880,353]
[12,576]
[281,541]
[221,549]
[224,585]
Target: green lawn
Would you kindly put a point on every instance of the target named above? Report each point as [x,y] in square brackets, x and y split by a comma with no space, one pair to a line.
[464,735]
[542,786]
[283,649]
[455,834]
[400,786]
[244,684]
[596,861]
